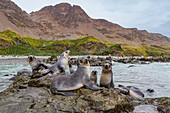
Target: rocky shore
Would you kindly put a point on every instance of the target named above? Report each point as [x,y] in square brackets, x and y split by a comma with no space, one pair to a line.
[100,60]
[32,94]
[96,60]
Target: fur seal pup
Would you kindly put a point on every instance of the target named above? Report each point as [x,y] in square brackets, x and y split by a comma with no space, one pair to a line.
[74,81]
[23,71]
[93,77]
[135,92]
[106,79]
[60,66]
[36,65]
[71,69]
[122,89]
[131,91]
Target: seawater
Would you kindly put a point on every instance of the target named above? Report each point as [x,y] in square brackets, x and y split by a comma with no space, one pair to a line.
[144,76]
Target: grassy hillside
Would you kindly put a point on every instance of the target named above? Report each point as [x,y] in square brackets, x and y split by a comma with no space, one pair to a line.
[12,43]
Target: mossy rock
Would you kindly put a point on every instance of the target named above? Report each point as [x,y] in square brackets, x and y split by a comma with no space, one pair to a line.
[39,98]
[44,81]
[114,50]
[90,47]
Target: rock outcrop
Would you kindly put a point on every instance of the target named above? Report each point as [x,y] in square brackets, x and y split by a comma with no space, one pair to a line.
[21,96]
[32,94]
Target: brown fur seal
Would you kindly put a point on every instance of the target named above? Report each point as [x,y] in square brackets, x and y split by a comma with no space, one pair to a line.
[23,71]
[60,66]
[135,92]
[131,91]
[74,81]
[93,76]
[36,65]
[106,79]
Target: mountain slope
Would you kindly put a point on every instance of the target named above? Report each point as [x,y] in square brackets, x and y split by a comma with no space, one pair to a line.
[64,21]
[74,20]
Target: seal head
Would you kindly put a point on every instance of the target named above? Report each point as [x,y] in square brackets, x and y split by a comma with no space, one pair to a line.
[93,77]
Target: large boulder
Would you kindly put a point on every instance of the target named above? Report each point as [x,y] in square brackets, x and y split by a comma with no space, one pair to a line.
[32,94]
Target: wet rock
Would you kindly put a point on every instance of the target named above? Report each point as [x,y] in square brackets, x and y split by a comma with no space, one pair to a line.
[35,99]
[28,94]
[44,81]
[51,60]
[22,71]
[162,103]
[99,61]
[150,90]
[131,66]
[10,75]
[145,109]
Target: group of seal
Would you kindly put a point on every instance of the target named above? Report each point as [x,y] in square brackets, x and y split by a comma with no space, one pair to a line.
[38,67]
[76,79]
[79,78]
[106,80]
[61,83]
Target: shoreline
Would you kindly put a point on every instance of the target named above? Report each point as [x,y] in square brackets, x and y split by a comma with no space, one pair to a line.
[12,57]
[93,56]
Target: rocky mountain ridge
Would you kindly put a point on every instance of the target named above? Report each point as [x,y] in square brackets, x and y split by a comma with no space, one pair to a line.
[64,21]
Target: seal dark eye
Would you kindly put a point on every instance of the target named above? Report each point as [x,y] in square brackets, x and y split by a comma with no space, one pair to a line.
[86,61]
[106,66]
[81,61]
[66,52]
[31,58]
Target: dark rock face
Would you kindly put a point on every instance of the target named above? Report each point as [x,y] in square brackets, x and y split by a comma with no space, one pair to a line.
[162,103]
[64,14]
[91,47]
[5,44]
[16,15]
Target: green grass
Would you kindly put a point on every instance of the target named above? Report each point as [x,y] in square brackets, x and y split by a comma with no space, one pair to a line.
[25,50]
[145,51]
[12,43]
[109,50]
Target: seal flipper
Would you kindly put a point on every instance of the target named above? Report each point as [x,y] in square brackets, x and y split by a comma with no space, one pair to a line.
[61,69]
[111,83]
[13,78]
[43,65]
[122,89]
[46,71]
[63,93]
[90,85]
